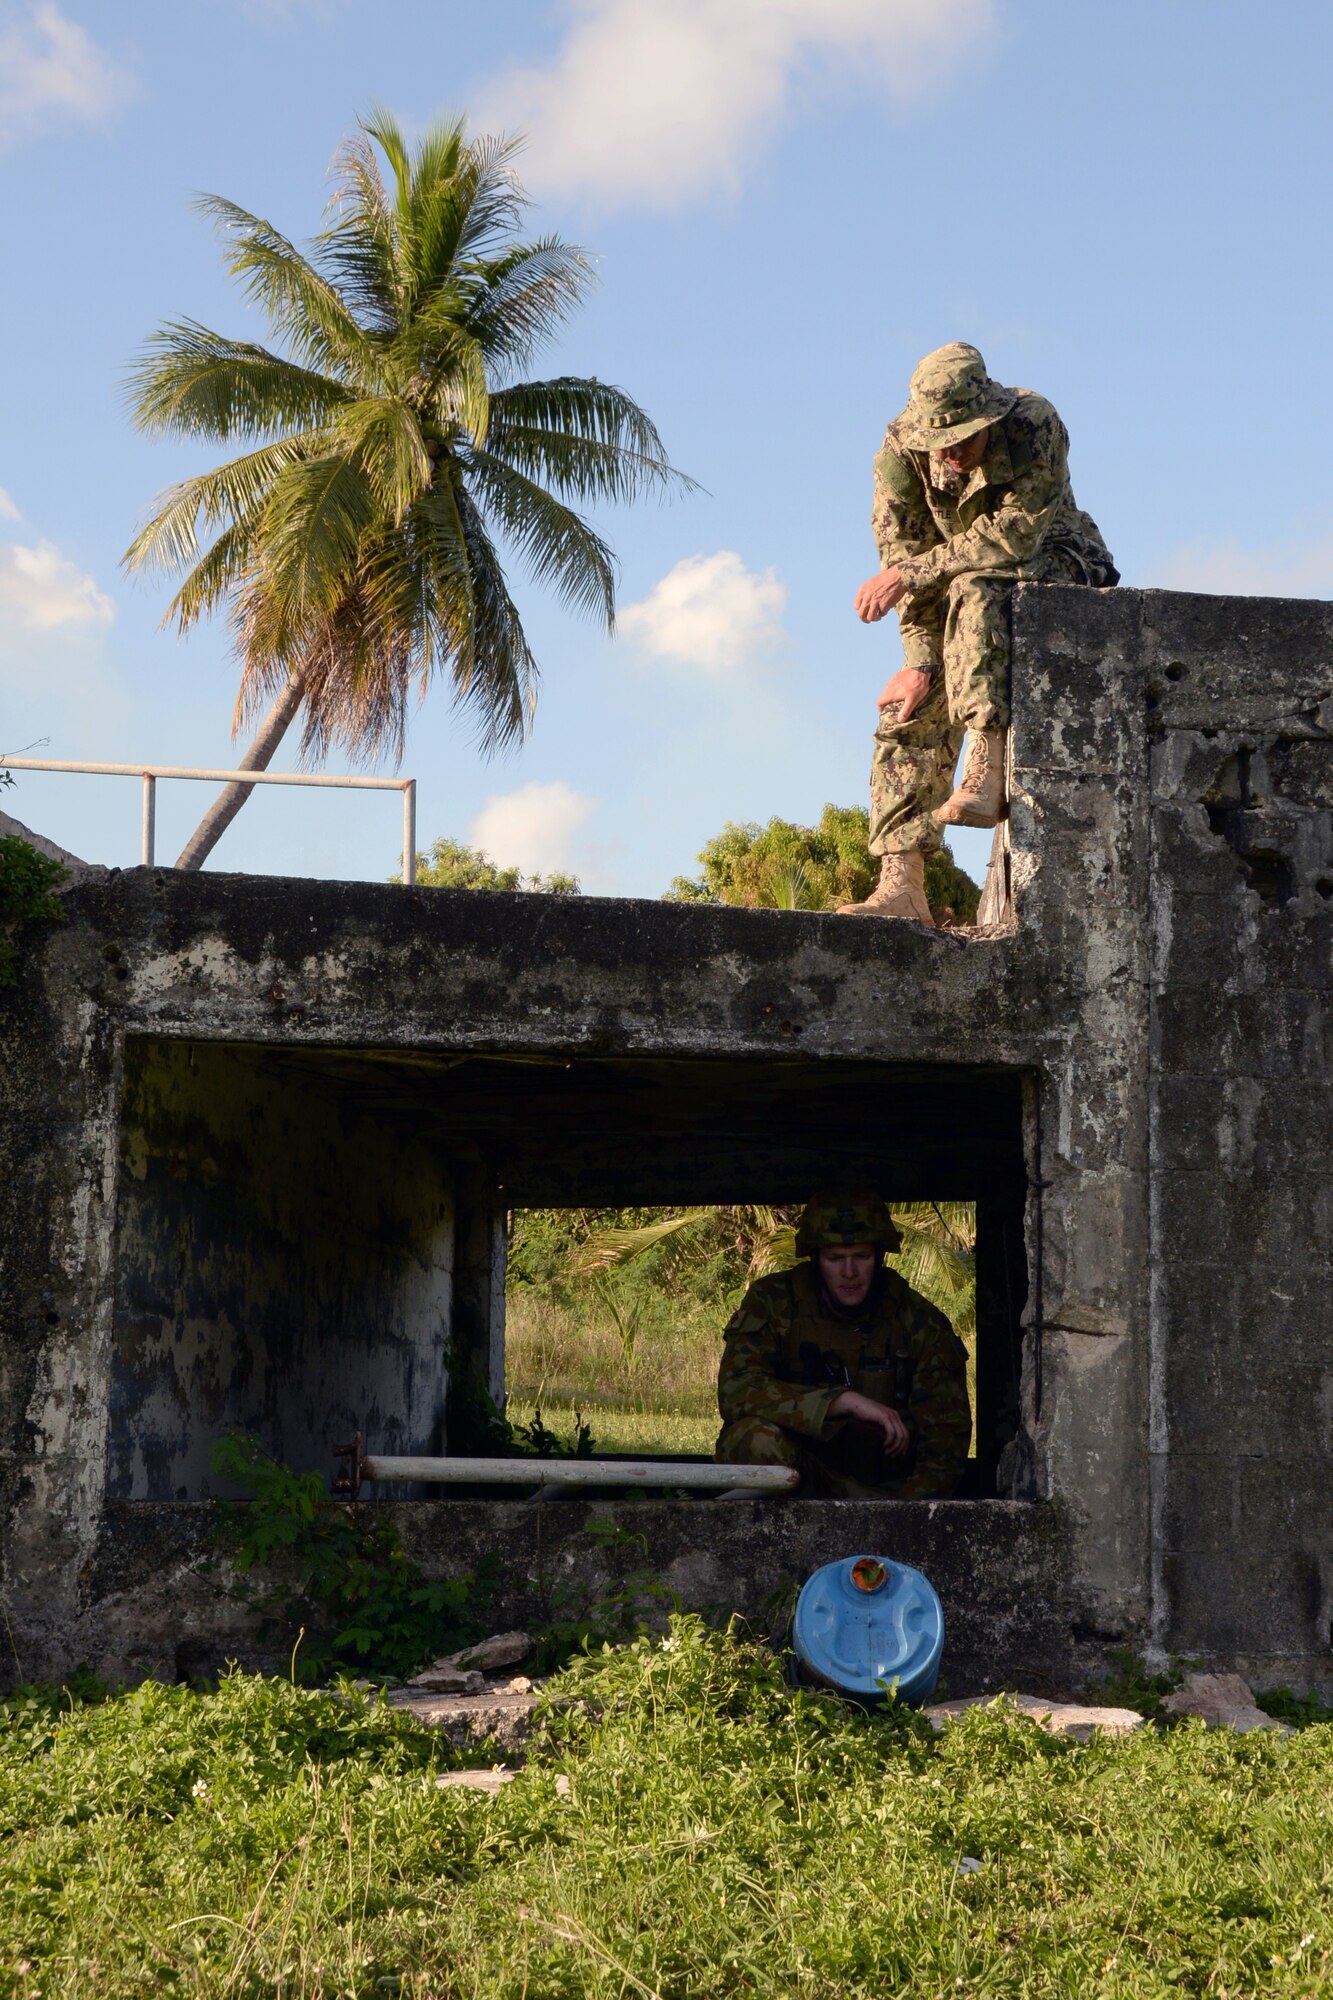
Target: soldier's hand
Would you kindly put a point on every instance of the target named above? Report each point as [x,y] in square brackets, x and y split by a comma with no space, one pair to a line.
[908,688]
[851,1403]
[879,594]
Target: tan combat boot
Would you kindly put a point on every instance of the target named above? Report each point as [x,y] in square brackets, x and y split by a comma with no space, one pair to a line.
[901,891]
[980,793]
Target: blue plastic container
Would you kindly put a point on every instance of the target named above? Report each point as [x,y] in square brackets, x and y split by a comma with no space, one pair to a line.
[865,1623]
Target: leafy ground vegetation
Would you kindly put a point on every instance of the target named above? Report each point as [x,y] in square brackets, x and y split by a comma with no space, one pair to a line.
[719,1833]
[617,1314]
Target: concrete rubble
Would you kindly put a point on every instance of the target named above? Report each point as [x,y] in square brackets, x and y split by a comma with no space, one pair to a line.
[1223,1701]
[499,1715]
[465,1672]
[1075,1720]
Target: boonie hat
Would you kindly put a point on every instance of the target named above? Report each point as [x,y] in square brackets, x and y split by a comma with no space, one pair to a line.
[950,397]
[838,1217]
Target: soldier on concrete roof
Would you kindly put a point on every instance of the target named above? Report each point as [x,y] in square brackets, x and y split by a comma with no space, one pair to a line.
[972,495]
[839,1368]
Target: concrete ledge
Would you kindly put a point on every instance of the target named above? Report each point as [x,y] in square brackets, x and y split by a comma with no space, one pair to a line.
[1002,1569]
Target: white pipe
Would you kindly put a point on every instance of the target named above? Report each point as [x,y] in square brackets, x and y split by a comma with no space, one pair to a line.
[584,1472]
[210,776]
[410,832]
[149,817]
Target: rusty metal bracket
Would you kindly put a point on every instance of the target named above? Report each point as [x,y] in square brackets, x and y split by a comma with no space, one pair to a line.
[349,1487]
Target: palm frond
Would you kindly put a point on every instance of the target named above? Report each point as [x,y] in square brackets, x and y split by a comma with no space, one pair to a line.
[214,578]
[382,435]
[775,1250]
[586,438]
[381,126]
[232,492]
[315,519]
[559,547]
[459,392]
[490,196]
[937,1258]
[359,676]
[192,382]
[609,1249]
[358,249]
[474,622]
[301,304]
[518,301]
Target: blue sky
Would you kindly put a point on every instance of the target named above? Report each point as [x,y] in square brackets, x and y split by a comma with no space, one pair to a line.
[789,201]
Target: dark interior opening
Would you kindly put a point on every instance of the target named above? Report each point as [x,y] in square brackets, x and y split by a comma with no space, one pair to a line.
[302,1233]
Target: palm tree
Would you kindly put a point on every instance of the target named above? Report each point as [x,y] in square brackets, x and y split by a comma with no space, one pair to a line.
[388,445]
[936,1255]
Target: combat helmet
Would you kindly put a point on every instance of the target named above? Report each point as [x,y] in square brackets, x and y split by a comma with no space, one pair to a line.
[950,397]
[836,1217]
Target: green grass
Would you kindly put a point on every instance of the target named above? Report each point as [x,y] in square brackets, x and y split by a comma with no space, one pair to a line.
[655,1391]
[560,1353]
[656,1394]
[722,1835]
[679,1432]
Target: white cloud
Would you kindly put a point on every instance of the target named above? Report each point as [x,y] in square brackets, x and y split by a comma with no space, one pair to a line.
[51,70]
[8,509]
[39,588]
[1228,569]
[709,611]
[532,828]
[658,101]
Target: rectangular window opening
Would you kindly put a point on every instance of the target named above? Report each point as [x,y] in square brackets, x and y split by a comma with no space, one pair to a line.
[315,1242]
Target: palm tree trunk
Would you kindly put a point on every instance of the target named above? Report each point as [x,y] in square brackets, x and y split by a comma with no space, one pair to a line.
[229,801]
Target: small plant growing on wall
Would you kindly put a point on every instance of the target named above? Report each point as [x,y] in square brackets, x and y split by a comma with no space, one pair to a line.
[336,1575]
[27,879]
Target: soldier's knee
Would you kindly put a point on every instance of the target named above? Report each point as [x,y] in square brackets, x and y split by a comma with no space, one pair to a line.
[978,586]
[752,1441]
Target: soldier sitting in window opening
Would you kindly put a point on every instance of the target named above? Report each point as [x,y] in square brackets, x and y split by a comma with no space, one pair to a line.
[839,1368]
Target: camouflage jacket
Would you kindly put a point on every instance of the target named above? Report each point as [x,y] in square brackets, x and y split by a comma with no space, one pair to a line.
[934,525]
[786,1357]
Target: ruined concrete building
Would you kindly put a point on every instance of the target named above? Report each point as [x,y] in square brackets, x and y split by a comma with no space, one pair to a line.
[258,1139]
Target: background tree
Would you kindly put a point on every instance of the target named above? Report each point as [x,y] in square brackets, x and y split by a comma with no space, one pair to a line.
[451,864]
[789,867]
[389,446]
[936,1255]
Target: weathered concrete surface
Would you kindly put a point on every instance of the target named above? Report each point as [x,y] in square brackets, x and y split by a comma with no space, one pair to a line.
[283,1265]
[156,1603]
[1133,1085]
[1232,775]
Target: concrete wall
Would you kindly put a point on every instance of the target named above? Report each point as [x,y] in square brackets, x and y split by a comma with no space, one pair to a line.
[1158,1011]
[1222,777]
[1241,729]
[284,1266]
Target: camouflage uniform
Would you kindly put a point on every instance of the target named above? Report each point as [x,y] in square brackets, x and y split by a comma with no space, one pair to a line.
[787,1356]
[960,542]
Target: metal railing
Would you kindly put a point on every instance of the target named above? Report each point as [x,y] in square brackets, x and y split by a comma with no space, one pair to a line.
[150,773]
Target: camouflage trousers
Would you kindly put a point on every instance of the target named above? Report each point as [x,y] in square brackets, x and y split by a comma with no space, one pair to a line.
[842,1467]
[960,637]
